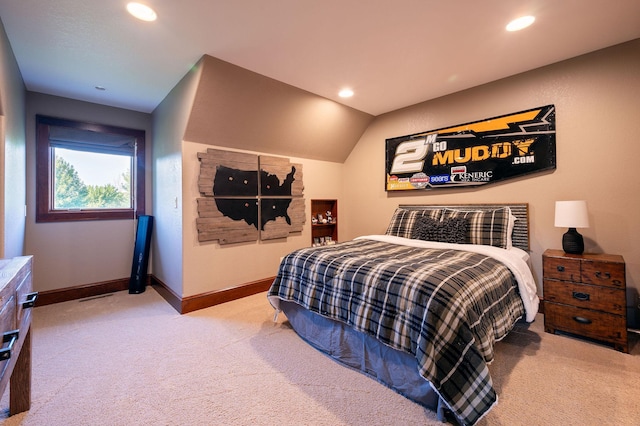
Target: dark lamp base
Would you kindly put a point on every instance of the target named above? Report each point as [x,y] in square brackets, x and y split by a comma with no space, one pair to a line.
[572,242]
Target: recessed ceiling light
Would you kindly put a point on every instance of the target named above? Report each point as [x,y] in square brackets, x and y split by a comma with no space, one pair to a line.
[142,12]
[520,23]
[346,93]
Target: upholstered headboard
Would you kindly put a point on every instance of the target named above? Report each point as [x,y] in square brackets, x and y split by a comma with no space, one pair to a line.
[520,235]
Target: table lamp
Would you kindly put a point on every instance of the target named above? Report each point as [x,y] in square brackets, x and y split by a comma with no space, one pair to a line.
[572,215]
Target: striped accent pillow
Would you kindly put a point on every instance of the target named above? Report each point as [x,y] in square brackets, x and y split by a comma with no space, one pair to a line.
[485,227]
[403,221]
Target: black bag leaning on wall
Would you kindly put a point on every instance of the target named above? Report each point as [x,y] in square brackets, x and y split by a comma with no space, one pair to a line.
[138,278]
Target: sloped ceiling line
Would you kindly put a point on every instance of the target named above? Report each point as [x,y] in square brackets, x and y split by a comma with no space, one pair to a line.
[240,109]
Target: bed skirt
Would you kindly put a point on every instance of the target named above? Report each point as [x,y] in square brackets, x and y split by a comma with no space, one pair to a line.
[393,368]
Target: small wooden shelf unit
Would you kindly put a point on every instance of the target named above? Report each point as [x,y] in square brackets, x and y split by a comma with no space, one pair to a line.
[321,231]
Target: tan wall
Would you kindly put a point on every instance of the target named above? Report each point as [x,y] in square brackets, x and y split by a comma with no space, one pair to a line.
[597,99]
[169,122]
[234,108]
[12,153]
[209,266]
[70,254]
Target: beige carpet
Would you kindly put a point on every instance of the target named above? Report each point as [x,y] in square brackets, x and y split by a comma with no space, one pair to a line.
[132,360]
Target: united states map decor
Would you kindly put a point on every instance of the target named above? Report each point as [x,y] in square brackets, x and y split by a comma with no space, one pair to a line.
[248,197]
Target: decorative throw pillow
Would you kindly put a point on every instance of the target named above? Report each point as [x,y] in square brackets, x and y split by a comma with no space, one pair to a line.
[485,227]
[426,229]
[452,230]
[403,221]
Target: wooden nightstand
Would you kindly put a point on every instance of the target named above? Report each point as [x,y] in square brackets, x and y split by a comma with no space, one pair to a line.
[585,295]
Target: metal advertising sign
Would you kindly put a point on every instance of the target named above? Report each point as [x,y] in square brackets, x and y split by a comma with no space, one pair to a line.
[473,154]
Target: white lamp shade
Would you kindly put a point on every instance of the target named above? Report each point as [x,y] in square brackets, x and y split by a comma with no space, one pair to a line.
[572,214]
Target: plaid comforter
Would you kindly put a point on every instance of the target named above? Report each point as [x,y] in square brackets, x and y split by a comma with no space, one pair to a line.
[447,307]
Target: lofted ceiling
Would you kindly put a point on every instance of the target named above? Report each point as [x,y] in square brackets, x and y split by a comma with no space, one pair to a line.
[392,53]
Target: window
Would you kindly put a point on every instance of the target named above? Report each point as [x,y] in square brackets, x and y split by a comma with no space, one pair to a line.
[87,171]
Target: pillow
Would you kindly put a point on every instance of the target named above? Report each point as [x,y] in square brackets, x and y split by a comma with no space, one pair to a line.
[453,230]
[403,221]
[512,222]
[485,227]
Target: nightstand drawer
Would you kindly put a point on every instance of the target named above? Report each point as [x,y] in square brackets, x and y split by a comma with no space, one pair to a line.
[604,273]
[606,299]
[585,322]
[562,269]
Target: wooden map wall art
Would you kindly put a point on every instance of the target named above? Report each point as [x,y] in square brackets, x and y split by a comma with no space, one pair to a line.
[248,197]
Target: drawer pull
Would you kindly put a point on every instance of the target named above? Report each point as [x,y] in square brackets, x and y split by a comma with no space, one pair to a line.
[616,282]
[11,337]
[583,297]
[560,268]
[607,275]
[582,320]
[30,301]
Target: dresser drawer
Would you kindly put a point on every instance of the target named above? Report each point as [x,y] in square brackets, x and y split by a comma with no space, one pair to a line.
[608,299]
[25,300]
[8,315]
[6,291]
[563,269]
[603,273]
[594,324]
[7,323]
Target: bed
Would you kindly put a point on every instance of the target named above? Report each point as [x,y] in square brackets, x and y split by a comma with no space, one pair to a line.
[420,307]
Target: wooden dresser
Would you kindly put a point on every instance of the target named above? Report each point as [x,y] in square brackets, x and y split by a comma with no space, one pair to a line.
[585,295]
[16,301]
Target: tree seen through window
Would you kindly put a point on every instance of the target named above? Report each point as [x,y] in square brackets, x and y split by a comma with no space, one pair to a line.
[72,192]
